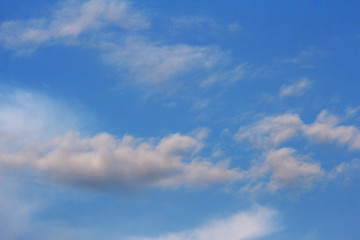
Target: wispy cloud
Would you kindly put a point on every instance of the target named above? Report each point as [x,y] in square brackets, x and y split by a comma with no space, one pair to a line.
[171,66]
[69,21]
[296,89]
[305,55]
[194,22]
[345,170]
[111,27]
[253,224]
[201,24]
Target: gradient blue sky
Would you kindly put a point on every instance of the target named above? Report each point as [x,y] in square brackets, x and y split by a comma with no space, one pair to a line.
[179,120]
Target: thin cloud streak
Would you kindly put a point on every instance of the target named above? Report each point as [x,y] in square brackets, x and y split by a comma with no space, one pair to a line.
[296,89]
[162,66]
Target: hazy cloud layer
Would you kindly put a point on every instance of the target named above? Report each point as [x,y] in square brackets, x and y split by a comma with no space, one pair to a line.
[171,66]
[254,224]
[26,116]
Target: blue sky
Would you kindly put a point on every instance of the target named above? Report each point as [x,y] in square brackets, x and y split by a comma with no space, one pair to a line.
[179,120]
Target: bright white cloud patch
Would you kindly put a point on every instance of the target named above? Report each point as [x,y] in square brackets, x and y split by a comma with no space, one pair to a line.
[295,89]
[253,224]
[70,20]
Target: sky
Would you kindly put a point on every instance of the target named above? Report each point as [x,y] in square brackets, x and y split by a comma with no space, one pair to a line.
[174,120]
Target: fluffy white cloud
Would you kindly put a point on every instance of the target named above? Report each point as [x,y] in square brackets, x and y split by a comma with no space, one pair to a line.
[290,170]
[326,129]
[104,162]
[253,224]
[71,19]
[33,128]
[295,89]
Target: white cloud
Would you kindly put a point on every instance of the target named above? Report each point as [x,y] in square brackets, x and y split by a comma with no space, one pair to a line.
[33,131]
[326,129]
[104,162]
[253,224]
[290,170]
[295,89]
[271,131]
[71,19]
[281,168]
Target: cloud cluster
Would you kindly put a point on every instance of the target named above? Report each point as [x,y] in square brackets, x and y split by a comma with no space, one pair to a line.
[283,166]
[271,131]
[254,224]
[70,20]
